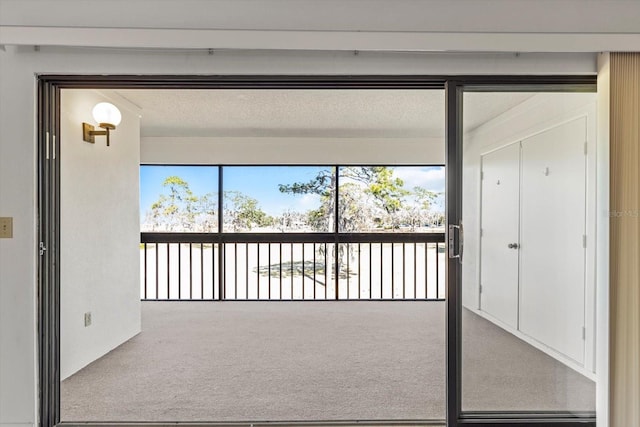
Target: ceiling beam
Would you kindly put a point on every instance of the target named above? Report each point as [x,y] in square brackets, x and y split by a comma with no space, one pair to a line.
[316,40]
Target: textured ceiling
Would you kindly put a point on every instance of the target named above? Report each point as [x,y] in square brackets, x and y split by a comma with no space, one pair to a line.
[307,113]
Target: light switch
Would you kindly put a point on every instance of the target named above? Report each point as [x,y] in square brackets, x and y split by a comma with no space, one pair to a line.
[6,228]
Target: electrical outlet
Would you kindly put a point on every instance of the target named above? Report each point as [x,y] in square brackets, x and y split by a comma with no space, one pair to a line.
[87,319]
[6,228]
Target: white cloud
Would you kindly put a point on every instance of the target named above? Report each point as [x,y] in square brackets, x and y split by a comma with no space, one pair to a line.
[431,178]
[308,201]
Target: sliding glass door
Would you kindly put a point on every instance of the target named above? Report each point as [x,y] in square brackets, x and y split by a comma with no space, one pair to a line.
[522,253]
[520,248]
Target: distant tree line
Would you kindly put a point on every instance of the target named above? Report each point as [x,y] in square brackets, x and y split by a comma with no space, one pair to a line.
[370,198]
[179,209]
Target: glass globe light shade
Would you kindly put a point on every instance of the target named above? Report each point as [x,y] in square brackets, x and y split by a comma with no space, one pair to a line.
[105,112]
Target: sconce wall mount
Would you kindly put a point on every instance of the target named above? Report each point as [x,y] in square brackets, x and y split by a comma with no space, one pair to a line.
[108,117]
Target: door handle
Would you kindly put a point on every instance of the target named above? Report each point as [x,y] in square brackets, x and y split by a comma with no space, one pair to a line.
[513,246]
[452,241]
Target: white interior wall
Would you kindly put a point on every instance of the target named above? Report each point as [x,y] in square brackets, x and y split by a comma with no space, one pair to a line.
[541,112]
[100,229]
[18,66]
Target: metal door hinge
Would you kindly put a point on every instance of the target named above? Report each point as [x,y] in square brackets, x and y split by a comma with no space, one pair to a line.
[585,148]
[481,175]
[584,240]
[43,248]
[480,288]
[584,333]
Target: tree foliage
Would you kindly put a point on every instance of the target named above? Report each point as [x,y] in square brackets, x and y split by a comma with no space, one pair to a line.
[368,196]
[179,209]
[242,213]
[323,185]
[386,190]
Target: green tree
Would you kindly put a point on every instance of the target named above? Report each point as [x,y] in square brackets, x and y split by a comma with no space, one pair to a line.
[419,213]
[355,212]
[323,185]
[242,212]
[179,209]
[386,191]
[359,186]
[207,208]
[424,197]
[171,211]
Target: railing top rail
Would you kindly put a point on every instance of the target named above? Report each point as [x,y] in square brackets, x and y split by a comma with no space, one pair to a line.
[163,237]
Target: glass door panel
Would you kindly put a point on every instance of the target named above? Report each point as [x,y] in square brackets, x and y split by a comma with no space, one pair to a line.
[527,321]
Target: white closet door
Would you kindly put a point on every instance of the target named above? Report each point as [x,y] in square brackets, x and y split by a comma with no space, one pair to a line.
[499,224]
[552,256]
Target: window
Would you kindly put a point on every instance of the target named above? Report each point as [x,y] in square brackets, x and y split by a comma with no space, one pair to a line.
[179,199]
[292,198]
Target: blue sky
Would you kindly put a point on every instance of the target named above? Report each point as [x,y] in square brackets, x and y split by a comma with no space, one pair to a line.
[261,183]
[201,179]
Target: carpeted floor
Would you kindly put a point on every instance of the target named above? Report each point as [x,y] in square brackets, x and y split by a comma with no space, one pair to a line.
[277,361]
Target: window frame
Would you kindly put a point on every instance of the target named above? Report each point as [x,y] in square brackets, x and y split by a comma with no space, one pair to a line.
[48,211]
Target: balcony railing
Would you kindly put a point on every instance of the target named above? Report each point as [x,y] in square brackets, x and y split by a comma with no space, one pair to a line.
[292,266]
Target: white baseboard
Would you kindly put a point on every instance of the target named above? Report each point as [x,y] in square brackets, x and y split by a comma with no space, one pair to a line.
[537,344]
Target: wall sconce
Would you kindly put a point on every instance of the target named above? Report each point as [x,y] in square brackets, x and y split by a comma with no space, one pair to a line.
[108,117]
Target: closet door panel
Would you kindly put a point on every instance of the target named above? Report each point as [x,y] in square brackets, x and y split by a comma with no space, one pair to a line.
[499,225]
[552,225]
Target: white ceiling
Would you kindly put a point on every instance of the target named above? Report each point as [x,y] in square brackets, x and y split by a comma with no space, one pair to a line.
[307,113]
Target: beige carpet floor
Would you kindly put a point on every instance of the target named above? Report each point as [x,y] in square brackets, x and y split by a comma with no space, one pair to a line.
[278,361]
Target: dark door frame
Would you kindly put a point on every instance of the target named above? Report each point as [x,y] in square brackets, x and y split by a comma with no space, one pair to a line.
[48,208]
